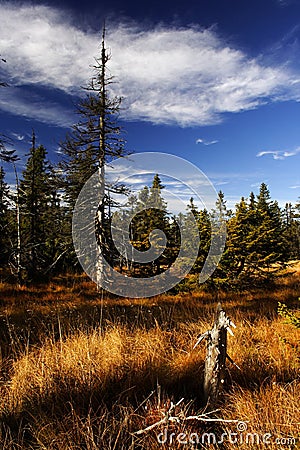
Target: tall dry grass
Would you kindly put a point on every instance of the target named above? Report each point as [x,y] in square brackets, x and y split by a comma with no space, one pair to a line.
[82,372]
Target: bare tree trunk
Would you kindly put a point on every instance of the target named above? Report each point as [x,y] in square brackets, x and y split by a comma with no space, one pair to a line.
[102,143]
[100,231]
[18,217]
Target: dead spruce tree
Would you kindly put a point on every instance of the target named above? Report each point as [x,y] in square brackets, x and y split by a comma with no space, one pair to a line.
[94,141]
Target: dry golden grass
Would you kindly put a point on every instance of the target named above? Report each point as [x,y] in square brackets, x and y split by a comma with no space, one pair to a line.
[272,408]
[77,370]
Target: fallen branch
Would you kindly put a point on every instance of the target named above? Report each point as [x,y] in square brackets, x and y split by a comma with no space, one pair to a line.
[167,418]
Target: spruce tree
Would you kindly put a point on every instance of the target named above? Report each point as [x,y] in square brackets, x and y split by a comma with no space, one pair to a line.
[151,214]
[159,220]
[158,206]
[139,228]
[191,215]
[11,221]
[203,233]
[239,228]
[124,258]
[221,212]
[96,139]
[255,246]
[255,241]
[93,142]
[57,248]
[292,230]
[34,203]
[220,215]
[266,242]
[204,225]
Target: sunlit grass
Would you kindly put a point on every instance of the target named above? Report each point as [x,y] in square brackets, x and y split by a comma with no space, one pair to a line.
[77,367]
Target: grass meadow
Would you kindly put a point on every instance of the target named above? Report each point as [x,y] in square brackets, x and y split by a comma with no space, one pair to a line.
[84,370]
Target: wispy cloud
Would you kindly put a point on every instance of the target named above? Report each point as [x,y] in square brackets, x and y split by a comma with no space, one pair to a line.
[199,76]
[19,137]
[295,186]
[279,154]
[256,185]
[205,142]
[221,183]
[16,100]
[186,76]
[41,47]
[285,2]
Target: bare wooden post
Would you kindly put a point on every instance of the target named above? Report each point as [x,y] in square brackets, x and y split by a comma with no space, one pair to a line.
[215,361]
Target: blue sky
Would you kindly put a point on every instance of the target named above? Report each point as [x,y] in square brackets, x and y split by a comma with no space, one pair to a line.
[216,82]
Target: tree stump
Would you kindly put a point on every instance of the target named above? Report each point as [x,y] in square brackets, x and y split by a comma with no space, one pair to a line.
[215,361]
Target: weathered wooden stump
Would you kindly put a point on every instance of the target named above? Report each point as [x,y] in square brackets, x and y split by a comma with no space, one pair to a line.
[215,361]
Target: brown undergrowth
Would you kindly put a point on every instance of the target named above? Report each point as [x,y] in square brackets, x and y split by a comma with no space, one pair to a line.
[85,371]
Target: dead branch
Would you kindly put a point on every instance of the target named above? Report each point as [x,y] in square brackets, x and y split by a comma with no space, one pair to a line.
[205,417]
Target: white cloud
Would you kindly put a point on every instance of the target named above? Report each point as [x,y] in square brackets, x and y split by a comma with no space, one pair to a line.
[256,185]
[285,2]
[19,137]
[279,154]
[221,183]
[16,100]
[42,48]
[296,186]
[204,142]
[185,76]
[188,76]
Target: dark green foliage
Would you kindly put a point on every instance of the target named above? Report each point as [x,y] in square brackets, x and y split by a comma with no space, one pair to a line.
[7,217]
[57,225]
[265,241]
[34,197]
[203,232]
[255,248]
[150,214]
[291,218]
[41,217]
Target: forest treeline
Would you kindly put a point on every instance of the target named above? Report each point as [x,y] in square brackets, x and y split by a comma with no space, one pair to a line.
[36,228]
[36,213]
